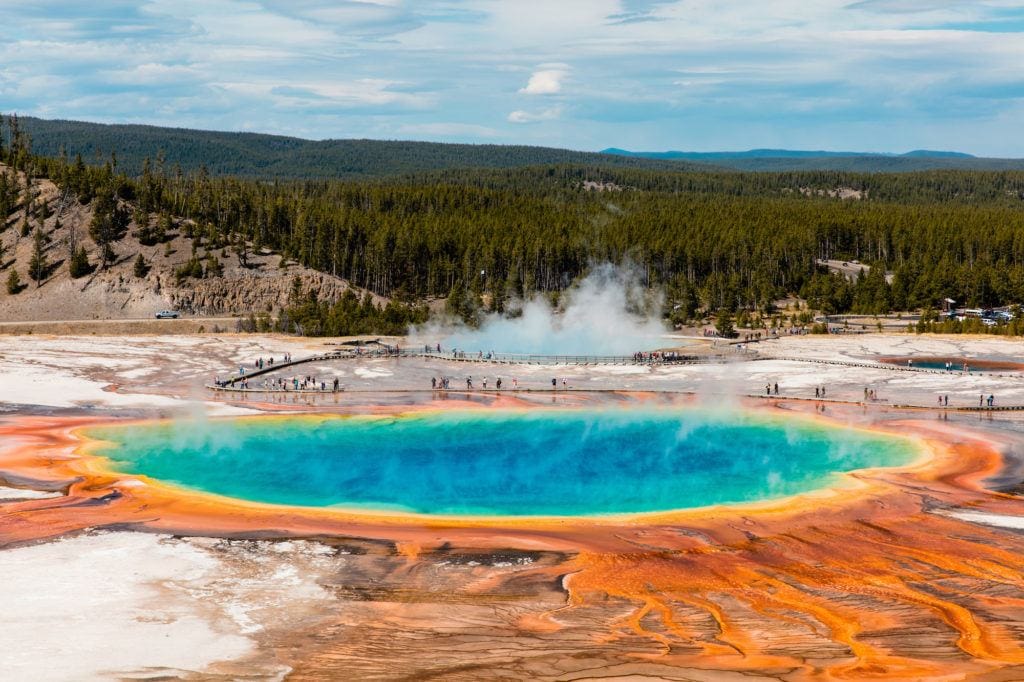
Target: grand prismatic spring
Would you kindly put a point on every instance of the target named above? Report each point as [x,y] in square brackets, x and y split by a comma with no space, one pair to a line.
[541,463]
[637,521]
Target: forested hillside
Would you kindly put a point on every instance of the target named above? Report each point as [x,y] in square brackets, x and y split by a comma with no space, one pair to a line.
[716,242]
[272,156]
[256,155]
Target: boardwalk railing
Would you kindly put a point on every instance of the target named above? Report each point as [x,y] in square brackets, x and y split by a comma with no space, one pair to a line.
[527,359]
[543,359]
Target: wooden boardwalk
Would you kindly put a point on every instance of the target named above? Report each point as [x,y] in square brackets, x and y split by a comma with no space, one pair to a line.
[493,359]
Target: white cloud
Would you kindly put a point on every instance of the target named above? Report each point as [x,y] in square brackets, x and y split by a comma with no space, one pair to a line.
[152,73]
[335,93]
[546,81]
[520,116]
[645,73]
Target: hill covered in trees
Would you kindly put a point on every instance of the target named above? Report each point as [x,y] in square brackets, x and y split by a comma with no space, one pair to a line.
[785,160]
[717,243]
[257,155]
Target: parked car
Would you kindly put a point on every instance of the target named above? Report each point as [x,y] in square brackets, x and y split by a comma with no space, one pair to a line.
[168,315]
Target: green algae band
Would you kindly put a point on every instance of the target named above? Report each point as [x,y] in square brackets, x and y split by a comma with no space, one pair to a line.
[502,463]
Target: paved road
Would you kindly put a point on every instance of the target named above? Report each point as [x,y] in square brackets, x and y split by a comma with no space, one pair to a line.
[849,269]
[120,327]
[151,320]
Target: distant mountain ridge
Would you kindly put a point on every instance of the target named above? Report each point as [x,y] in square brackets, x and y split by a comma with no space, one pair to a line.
[779,160]
[784,154]
[258,155]
[263,156]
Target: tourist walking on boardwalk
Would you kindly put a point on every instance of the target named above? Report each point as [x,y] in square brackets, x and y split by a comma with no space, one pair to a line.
[515,383]
[776,388]
[497,383]
[981,401]
[554,384]
[433,383]
[469,382]
[485,383]
[767,389]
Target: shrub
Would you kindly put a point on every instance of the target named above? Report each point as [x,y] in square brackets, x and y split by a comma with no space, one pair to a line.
[14,283]
[79,265]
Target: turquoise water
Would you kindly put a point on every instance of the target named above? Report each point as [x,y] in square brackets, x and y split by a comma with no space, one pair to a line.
[504,463]
[958,366]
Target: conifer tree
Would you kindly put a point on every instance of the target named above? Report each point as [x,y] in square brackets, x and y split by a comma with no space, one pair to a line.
[724,325]
[78,264]
[38,265]
[13,282]
[109,224]
[141,268]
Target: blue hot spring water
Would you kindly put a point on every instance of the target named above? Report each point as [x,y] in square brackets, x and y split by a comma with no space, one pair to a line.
[502,463]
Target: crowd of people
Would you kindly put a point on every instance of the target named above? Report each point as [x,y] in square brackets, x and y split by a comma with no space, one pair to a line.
[660,356]
[260,364]
[303,383]
[444,383]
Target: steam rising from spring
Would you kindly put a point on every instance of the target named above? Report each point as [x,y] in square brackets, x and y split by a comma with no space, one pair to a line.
[606,313]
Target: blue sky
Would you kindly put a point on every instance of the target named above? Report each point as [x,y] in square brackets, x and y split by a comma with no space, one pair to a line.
[874,75]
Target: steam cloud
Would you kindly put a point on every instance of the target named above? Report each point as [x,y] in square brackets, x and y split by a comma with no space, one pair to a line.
[601,315]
